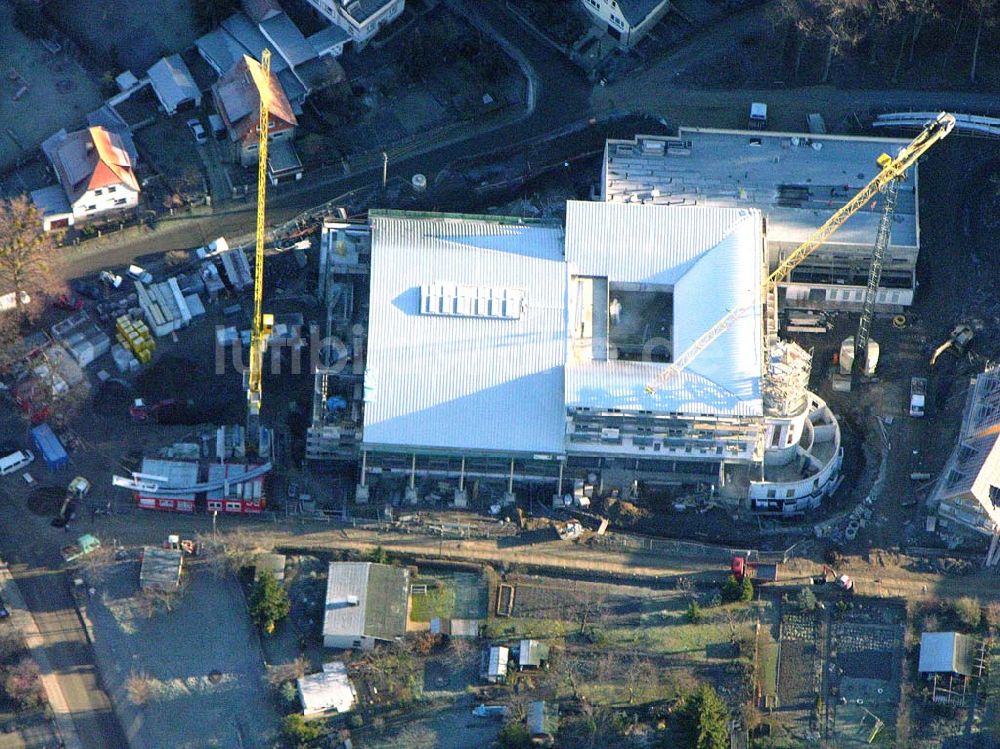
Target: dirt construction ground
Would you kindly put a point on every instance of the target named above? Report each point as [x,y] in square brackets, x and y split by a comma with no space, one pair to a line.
[202,661]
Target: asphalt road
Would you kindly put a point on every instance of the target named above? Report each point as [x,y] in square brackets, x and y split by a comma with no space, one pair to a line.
[44,588]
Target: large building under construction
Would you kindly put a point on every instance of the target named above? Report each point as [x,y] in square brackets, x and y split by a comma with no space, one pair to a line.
[520,351]
[967,493]
[797,181]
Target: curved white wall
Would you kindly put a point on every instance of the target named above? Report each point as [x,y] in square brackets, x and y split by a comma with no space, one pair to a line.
[798,476]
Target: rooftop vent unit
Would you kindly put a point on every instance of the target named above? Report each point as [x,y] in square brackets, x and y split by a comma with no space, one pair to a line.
[653,147]
[459,300]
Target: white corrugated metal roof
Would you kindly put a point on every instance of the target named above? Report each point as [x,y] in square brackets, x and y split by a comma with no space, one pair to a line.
[634,243]
[712,260]
[465,382]
[346,596]
[945,652]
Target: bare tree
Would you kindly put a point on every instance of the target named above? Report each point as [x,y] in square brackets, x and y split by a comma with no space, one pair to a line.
[985,12]
[843,22]
[639,677]
[139,687]
[919,12]
[590,609]
[460,652]
[96,564]
[801,18]
[416,736]
[279,674]
[28,258]
[228,553]
[22,683]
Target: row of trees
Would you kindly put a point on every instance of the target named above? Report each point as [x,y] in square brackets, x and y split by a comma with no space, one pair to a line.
[892,25]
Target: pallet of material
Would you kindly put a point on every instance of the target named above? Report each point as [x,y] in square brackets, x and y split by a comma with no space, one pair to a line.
[163,306]
[237,269]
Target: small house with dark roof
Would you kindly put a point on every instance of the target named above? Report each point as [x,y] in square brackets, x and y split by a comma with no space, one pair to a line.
[365,603]
[543,722]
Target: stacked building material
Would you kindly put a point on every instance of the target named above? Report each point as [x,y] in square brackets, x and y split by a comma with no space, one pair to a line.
[163,306]
[234,263]
[135,336]
[124,359]
[82,338]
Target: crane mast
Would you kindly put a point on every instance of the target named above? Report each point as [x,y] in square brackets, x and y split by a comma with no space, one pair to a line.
[261,324]
[892,170]
[875,275]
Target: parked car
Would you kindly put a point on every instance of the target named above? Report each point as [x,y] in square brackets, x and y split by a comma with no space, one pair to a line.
[15,461]
[86,288]
[111,279]
[140,274]
[4,613]
[69,302]
[198,131]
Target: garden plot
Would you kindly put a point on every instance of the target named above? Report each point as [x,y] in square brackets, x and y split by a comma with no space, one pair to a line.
[865,651]
[798,659]
[864,668]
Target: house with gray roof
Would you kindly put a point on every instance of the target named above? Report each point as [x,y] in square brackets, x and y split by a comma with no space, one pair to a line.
[365,602]
[173,85]
[301,65]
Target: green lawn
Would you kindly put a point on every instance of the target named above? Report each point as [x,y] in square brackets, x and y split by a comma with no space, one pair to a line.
[675,639]
[515,628]
[438,601]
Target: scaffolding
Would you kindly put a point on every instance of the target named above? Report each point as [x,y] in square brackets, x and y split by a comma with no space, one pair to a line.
[786,382]
[335,429]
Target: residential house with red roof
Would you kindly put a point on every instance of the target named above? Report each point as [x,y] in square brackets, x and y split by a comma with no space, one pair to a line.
[96,176]
[237,98]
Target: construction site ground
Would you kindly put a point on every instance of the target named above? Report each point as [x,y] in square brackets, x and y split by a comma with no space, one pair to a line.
[956,275]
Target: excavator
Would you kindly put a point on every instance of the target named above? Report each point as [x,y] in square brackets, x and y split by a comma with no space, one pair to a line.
[958,339]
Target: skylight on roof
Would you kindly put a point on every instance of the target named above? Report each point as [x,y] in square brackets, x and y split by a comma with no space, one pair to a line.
[460,300]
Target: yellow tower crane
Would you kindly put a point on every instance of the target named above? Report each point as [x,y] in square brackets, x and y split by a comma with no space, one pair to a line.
[261,324]
[892,169]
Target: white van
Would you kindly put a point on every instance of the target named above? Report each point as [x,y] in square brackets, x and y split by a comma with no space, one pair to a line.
[16,461]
